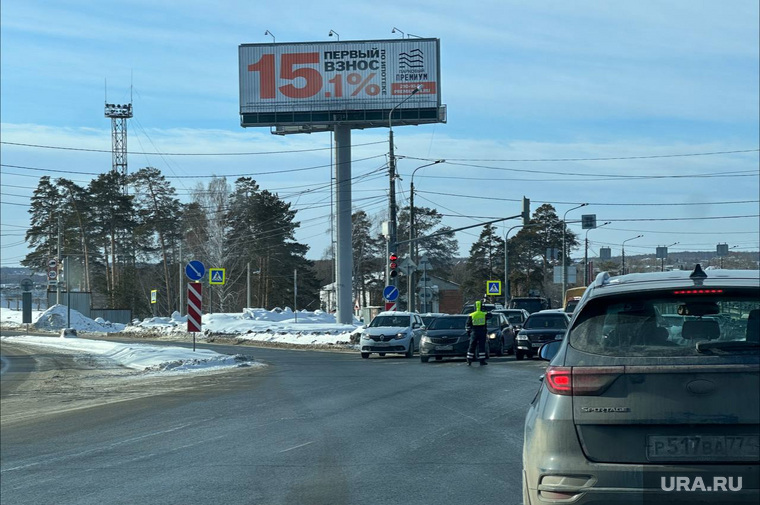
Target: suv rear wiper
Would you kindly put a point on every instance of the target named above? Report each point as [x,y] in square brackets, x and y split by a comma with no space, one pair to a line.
[735,345]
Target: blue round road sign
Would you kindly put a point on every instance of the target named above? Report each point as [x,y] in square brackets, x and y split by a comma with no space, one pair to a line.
[195,270]
[390,293]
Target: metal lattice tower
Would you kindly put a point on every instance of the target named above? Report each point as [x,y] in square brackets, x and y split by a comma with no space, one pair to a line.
[119,115]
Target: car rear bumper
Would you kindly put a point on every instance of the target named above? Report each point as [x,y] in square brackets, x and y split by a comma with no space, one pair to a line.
[644,485]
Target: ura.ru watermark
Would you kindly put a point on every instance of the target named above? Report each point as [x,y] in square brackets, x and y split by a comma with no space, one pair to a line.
[709,484]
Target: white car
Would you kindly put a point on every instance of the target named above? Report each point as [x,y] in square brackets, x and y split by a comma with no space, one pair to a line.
[392,332]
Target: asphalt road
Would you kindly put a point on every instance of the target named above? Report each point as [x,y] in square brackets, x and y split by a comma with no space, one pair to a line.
[311,428]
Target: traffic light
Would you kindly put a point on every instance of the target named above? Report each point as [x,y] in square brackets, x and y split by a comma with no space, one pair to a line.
[526,211]
[392,265]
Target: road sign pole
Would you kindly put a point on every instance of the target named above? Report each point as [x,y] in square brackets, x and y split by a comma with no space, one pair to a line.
[194,308]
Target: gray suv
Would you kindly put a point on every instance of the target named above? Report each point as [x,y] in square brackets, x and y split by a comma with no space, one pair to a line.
[636,409]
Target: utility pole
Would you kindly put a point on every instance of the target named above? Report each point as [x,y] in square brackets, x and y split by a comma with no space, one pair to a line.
[57,279]
[393,238]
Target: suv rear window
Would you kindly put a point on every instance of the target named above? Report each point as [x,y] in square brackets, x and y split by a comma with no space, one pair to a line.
[667,323]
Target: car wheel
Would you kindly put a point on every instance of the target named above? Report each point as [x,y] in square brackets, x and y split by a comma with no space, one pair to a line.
[424,359]
[500,350]
[381,354]
[410,351]
[365,355]
[530,355]
[519,355]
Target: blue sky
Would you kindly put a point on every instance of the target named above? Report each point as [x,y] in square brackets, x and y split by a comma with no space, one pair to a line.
[618,87]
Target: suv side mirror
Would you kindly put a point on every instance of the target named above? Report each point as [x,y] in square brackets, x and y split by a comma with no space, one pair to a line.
[549,350]
[416,325]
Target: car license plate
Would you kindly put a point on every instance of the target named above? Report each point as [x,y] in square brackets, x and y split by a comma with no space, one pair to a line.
[444,348]
[703,448]
[537,344]
[381,344]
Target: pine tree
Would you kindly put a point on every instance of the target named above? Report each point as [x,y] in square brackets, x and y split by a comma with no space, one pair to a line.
[42,236]
[486,262]
[158,210]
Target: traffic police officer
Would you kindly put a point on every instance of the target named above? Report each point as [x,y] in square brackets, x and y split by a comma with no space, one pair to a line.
[476,329]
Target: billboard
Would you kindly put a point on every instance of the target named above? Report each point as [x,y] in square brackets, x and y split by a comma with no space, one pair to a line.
[351,82]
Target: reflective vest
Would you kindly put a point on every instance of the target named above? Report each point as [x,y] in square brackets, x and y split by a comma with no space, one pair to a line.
[478,318]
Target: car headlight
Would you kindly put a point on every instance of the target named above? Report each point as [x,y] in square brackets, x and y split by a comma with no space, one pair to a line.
[492,336]
[425,339]
[365,336]
[522,337]
[401,335]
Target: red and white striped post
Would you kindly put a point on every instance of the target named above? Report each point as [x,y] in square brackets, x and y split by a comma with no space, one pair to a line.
[194,306]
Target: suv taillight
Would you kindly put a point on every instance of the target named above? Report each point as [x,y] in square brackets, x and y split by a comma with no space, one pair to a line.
[559,380]
[581,380]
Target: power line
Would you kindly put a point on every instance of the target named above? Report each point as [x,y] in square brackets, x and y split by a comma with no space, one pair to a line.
[290,170]
[608,158]
[289,151]
[459,195]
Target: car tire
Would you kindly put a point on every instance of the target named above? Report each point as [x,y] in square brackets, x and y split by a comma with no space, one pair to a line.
[519,355]
[530,355]
[500,350]
[365,355]
[410,352]
[424,359]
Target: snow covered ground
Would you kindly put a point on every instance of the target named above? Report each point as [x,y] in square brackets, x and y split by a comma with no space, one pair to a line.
[140,357]
[281,326]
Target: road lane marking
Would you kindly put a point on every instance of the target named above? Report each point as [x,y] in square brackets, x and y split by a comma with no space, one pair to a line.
[296,447]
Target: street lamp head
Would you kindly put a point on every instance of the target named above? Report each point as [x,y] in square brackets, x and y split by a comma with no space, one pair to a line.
[397,30]
[333,32]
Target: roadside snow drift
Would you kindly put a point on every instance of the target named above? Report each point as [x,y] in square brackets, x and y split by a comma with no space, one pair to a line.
[147,358]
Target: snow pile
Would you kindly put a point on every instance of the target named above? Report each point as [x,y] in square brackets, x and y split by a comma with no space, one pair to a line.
[54,318]
[276,325]
[142,357]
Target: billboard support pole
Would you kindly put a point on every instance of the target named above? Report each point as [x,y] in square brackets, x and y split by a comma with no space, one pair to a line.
[344,257]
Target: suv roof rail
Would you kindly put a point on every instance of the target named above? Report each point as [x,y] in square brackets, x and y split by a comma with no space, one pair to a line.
[602,279]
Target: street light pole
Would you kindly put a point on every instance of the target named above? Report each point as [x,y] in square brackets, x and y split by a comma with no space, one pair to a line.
[585,255]
[662,269]
[623,249]
[412,235]
[564,255]
[392,174]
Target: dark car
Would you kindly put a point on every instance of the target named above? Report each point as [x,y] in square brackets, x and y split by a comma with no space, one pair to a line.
[428,318]
[540,328]
[636,409]
[530,303]
[485,307]
[501,335]
[445,337]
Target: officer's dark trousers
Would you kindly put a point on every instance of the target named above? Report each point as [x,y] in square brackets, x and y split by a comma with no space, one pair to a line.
[477,349]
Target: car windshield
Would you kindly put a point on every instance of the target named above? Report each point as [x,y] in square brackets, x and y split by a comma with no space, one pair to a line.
[426,320]
[402,321]
[667,324]
[547,321]
[448,323]
[494,322]
[514,317]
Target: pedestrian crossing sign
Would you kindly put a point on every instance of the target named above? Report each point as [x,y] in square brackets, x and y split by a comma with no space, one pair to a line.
[493,288]
[216,275]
